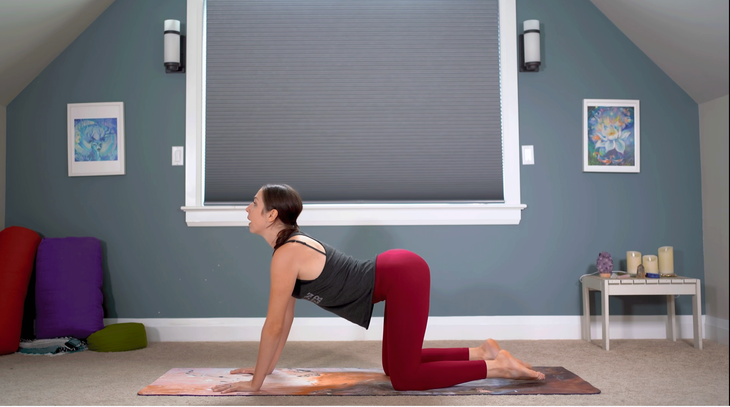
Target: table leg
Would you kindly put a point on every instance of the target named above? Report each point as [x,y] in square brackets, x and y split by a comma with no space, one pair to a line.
[604,310]
[586,325]
[671,319]
[697,316]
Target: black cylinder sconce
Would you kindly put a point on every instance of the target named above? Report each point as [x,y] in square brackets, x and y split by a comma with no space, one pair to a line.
[530,46]
[174,47]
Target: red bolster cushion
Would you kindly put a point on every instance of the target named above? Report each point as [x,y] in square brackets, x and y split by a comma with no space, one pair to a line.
[18,247]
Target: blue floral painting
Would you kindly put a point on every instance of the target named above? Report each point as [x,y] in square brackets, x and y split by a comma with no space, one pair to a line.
[611,135]
[95,139]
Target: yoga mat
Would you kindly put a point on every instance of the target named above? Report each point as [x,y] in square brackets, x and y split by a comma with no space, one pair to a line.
[354,382]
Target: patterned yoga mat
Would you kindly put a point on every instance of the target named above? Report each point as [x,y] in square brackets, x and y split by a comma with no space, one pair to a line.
[354,382]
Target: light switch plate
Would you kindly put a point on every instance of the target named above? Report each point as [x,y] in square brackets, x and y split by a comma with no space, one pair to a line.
[528,155]
[178,155]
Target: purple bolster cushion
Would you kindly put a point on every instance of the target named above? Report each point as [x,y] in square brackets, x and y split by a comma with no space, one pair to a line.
[68,293]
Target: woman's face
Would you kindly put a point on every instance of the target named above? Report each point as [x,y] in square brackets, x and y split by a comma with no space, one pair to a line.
[257,215]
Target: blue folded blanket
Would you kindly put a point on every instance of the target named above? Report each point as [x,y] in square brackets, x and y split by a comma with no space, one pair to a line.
[52,347]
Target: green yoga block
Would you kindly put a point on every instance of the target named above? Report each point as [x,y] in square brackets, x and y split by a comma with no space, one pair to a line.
[118,338]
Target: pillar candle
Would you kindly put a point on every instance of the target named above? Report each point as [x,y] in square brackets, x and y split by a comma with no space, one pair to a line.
[666,260]
[650,264]
[633,259]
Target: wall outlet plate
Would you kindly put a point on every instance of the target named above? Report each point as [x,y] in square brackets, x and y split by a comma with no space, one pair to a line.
[528,155]
[178,155]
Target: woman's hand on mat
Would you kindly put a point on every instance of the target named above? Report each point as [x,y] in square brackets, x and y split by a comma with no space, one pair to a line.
[244,370]
[236,387]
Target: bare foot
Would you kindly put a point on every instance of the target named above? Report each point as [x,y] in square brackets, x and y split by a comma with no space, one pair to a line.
[489,351]
[507,367]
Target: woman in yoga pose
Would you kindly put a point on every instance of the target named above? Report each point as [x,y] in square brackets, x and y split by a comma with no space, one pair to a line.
[305,268]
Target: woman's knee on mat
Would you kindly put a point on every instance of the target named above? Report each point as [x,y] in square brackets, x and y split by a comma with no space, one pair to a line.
[403,382]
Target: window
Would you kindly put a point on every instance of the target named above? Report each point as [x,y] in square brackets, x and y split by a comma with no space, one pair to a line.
[507,212]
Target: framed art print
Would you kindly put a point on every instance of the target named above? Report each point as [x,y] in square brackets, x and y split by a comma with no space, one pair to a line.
[611,135]
[95,139]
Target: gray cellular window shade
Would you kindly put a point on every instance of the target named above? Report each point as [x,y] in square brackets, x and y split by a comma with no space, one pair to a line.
[353,101]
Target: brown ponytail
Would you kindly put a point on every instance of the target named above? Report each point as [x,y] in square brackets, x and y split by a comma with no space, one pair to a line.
[288,203]
[285,234]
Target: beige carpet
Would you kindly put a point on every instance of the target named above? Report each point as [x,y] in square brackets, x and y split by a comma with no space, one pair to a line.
[633,372]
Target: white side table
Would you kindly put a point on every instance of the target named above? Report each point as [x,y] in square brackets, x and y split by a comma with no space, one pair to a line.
[643,286]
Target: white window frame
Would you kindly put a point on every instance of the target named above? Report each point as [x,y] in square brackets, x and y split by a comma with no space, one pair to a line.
[507,213]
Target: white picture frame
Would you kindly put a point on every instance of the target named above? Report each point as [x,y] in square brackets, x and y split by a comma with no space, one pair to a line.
[95,139]
[611,136]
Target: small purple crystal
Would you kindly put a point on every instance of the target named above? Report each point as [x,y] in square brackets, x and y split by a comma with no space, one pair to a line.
[604,263]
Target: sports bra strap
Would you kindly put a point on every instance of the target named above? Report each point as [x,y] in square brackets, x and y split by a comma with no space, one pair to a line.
[311,247]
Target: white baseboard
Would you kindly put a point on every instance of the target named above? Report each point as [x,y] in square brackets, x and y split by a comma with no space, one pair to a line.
[716,329]
[439,328]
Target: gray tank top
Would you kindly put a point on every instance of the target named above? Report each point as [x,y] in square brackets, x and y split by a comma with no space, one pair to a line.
[345,286]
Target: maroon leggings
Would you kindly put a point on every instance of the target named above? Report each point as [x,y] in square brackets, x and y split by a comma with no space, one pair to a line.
[403,281]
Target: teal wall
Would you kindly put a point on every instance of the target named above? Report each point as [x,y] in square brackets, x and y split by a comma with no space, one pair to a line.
[157,267]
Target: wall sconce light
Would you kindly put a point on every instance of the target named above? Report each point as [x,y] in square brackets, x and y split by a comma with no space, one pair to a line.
[530,46]
[174,47]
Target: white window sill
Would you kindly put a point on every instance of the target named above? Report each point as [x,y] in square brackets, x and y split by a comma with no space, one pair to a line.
[369,214]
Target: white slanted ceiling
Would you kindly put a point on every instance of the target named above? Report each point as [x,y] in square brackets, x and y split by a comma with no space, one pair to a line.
[687,39]
[34,33]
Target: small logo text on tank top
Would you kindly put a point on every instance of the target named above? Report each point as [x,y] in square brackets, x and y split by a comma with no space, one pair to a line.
[313,298]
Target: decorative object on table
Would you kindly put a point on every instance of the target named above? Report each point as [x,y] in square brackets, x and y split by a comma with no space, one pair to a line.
[610,135]
[640,273]
[633,259]
[651,266]
[95,139]
[666,260]
[604,263]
